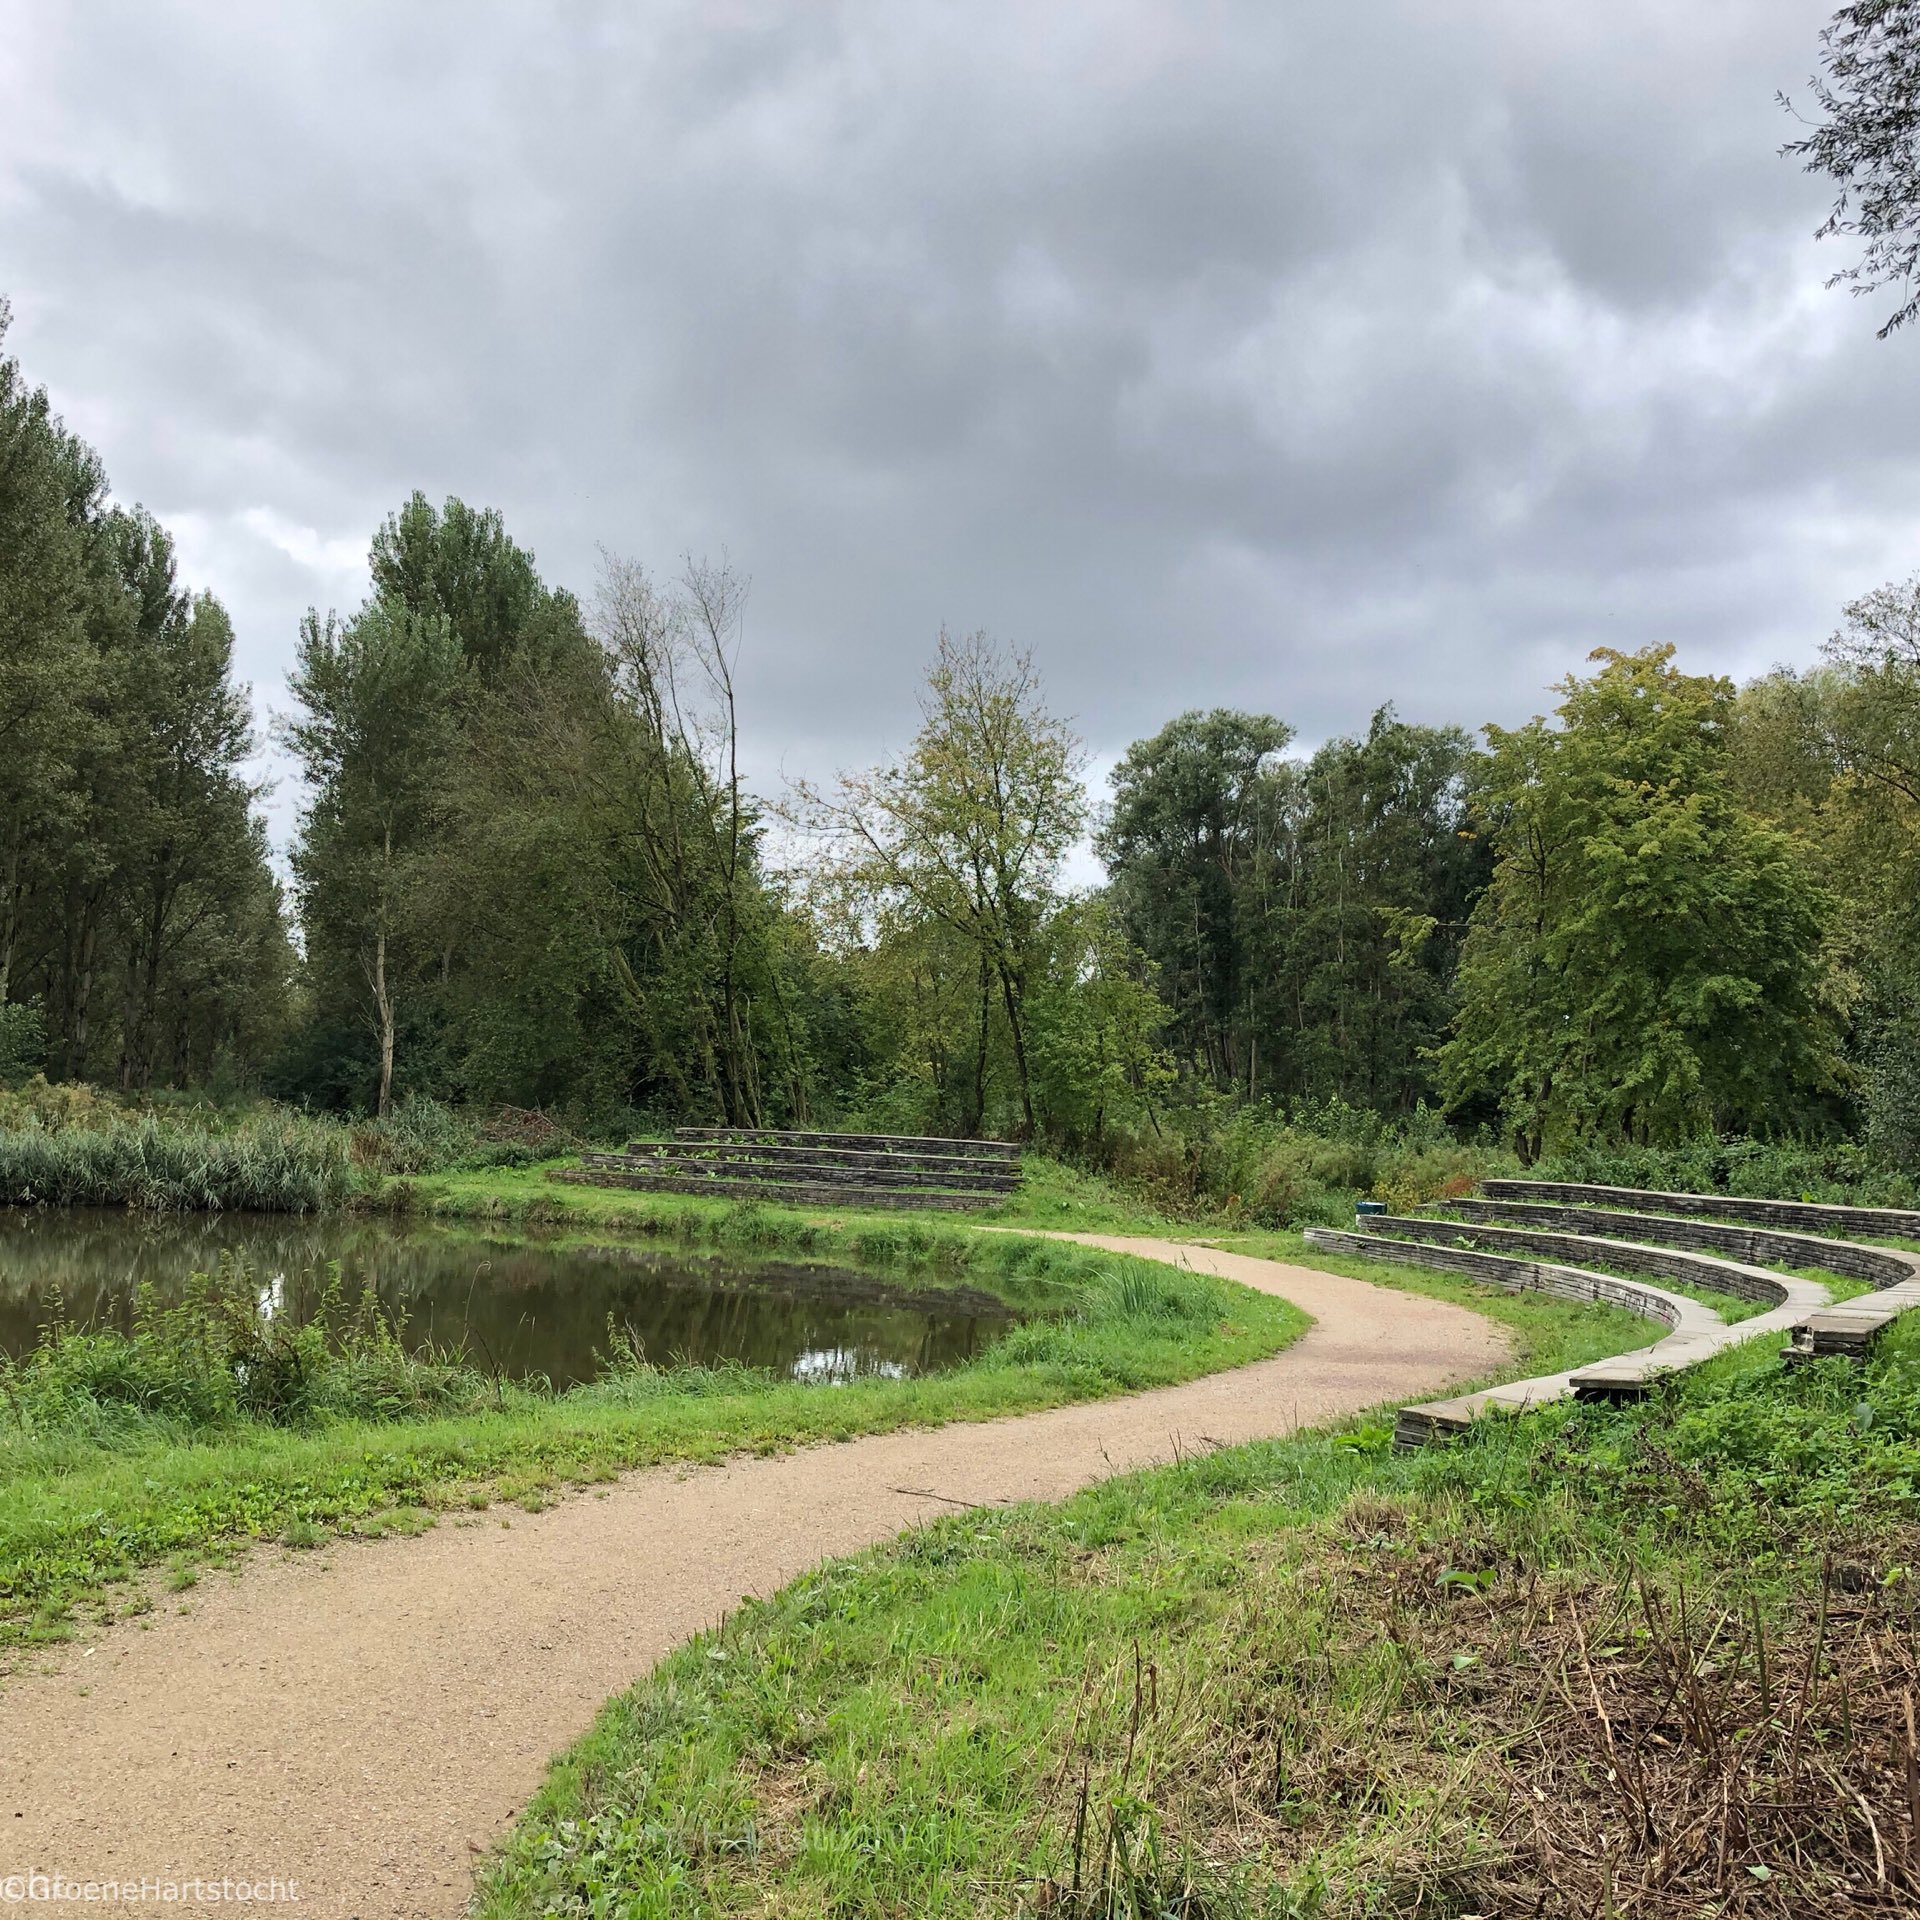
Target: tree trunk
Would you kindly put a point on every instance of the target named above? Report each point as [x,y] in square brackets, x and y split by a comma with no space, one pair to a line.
[977,1115]
[146,1045]
[383,1012]
[1010,995]
[9,917]
[82,1002]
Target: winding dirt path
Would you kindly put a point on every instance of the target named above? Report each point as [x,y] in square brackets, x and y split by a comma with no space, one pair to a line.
[365,1720]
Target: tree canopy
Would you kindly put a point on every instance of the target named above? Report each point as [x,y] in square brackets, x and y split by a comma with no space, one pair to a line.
[1869,146]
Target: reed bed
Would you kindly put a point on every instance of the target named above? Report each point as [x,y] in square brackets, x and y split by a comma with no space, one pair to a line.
[272,1162]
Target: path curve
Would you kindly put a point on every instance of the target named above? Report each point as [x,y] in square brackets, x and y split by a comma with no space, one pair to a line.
[365,1720]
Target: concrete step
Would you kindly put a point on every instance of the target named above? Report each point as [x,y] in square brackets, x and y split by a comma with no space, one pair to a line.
[809,1173]
[791,1193]
[1878,1266]
[1807,1216]
[1743,1281]
[1695,1333]
[1001,1150]
[1849,1327]
[776,1153]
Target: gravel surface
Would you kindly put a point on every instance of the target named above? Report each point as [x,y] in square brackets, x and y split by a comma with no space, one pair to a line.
[364,1720]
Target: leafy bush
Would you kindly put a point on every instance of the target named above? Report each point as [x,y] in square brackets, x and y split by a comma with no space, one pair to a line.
[1837,1171]
[23,1039]
[39,1102]
[1893,1097]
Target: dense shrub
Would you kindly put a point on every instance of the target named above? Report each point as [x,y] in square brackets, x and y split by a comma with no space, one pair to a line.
[418,1136]
[1838,1171]
[275,1162]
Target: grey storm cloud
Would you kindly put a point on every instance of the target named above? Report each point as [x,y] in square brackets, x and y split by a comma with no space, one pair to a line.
[1223,353]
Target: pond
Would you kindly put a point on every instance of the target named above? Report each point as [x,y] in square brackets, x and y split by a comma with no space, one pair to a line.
[525,1305]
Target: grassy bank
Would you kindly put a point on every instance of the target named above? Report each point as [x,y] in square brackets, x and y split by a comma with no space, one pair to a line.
[1052,1198]
[206,1428]
[1655,1661]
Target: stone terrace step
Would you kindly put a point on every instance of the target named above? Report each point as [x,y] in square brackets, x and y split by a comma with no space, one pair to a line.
[1848,1327]
[1743,1281]
[810,1171]
[1008,1151]
[773,1153]
[794,1193]
[1695,1333]
[1878,1266]
[1895,1223]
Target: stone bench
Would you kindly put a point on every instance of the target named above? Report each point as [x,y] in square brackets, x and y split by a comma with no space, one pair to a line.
[1005,1151]
[1891,1223]
[1848,1327]
[1742,1280]
[1878,1266]
[1695,1332]
[740,1164]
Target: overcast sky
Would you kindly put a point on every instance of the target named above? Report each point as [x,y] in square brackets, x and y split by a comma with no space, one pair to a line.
[1292,357]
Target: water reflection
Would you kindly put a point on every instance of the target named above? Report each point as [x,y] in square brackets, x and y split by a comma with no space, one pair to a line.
[523,1305]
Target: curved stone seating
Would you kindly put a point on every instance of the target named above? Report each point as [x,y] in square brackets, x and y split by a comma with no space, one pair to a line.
[1808,1216]
[1878,1266]
[1695,1332]
[1743,1281]
[1847,1327]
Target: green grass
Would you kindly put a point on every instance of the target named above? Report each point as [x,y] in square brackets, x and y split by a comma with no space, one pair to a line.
[107,1466]
[1310,1678]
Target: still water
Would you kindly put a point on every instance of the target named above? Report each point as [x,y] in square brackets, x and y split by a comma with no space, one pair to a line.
[523,1306]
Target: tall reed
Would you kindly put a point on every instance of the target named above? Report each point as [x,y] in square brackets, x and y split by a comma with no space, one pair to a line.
[275,1162]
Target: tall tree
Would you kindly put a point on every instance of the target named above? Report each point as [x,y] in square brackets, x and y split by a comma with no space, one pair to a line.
[1869,145]
[129,851]
[1303,917]
[379,696]
[50,489]
[1197,810]
[1646,962]
[1363,946]
[969,829]
[631,949]
[1832,756]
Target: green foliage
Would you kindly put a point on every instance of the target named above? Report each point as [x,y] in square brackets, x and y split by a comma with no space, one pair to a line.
[1837,1171]
[141,934]
[217,1357]
[1303,915]
[1893,1099]
[419,1135]
[1095,1025]
[274,1161]
[1868,145]
[23,1040]
[1643,966]
[953,855]
[1199,812]
[378,699]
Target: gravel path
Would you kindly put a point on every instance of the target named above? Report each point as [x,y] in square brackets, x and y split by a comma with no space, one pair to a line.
[364,1720]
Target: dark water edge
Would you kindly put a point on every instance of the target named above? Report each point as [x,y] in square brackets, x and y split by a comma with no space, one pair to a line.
[524,1306]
